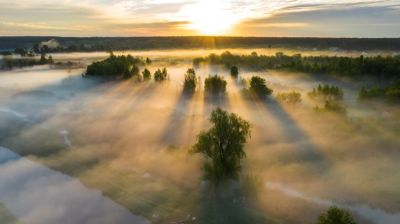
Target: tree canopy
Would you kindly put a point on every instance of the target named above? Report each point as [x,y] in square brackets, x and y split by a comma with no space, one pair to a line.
[215,85]
[234,71]
[160,75]
[115,67]
[223,145]
[259,87]
[335,215]
[190,82]
[146,74]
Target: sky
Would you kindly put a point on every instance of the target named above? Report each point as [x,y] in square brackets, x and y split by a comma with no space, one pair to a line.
[317,18]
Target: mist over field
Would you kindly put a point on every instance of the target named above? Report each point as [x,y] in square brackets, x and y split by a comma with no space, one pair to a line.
[119,150]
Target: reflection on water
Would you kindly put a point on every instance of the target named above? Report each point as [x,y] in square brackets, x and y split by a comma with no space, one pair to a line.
[36,194]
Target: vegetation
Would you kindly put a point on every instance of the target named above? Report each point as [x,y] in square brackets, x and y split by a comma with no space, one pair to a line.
[146,74]
[115,67]
[234,71]
[335,215]
[160,75]
[223,144]
[326,92]
[190,83]
[10,63]
[332,106]
[377,66]
[73,44]
[215,85]
[289,97]
[389,93]
[259,87]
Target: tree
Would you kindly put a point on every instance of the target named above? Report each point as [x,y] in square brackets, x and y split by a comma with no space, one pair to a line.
[148,61]
[160,75]
[259,87]
[223,144]
[335,215]
[189,85]
[146,74]
[234,71]
[215,85]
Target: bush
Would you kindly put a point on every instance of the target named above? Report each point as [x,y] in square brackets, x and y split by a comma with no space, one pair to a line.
[259,87]
[160,75]
[223,145]
[326,92]
[215,85]
[234,71]
[335,215]
[190,83]
[146,74]
[289,97]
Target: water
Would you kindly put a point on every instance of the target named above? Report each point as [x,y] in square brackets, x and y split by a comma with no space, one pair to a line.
[37,194]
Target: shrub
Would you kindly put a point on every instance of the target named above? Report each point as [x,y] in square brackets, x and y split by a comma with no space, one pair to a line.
[289,97]
[223,145]
[332,106]
[259,87]
[189,85]
[215,85]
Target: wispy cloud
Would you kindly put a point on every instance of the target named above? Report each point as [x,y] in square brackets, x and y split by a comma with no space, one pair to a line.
[164,17]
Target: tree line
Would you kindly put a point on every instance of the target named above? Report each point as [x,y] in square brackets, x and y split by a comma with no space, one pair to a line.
[377,66]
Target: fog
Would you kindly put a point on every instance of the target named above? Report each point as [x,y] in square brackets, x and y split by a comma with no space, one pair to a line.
[129,140]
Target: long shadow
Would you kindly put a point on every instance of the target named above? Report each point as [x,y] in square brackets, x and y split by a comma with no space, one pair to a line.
[176,120]
[294,134]
[229,203]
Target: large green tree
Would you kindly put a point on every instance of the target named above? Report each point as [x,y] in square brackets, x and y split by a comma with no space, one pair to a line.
[223,144]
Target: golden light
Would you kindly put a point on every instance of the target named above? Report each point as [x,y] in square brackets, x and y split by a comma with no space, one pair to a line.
[210,17]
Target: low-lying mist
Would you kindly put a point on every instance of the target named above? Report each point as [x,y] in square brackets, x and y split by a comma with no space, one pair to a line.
[130,140]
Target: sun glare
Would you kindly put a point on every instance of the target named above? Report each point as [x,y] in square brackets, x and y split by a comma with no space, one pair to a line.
[210,17]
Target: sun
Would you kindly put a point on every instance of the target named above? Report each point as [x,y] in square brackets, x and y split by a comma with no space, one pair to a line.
[209,17]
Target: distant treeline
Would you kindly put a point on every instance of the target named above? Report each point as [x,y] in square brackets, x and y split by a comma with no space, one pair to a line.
[71,44]
[378,66]
[10,63]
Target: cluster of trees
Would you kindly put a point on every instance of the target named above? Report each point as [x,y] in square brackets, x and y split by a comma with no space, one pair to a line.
[223,145]
[115,67]
[10,63]
[377,66]
[390,93]
[190,82]
[215,85]
[326,92]
[292,97]
[160,75]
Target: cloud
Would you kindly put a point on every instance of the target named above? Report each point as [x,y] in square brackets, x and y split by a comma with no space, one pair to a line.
[94,17]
